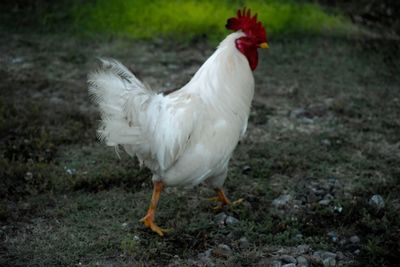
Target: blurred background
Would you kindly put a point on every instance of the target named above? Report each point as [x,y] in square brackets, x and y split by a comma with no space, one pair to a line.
[319,169]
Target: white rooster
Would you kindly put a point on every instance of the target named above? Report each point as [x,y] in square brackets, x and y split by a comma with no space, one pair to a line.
[186,137]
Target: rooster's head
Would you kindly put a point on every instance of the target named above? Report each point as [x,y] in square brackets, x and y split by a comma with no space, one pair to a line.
[255,35]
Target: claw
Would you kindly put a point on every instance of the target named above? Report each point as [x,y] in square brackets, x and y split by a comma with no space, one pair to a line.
[221,197]
[237,202]
[148,221]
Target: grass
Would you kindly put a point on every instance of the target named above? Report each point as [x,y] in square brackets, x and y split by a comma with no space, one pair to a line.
[67,200]
[186,19]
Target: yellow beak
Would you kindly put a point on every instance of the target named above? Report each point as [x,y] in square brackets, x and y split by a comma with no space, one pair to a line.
[264,45]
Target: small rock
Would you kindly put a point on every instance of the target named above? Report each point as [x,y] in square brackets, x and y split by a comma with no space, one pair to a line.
[377,202]
[302,261]
[306,120]
[329,262]
[222,251]
[276,264]
[325,142]
[246,169]
[231,220]
[28,176]
[244,243]
[340,255]
[303,249]
[223,219]
[333,236]
[342,242]
[328,254]
[289,265]
[324,202]
[355,239]
[281,201]
[288,259]
[17,60]
[338,209]
[206,259]
[298,237]
[324,257]
[297,113]
[220,218]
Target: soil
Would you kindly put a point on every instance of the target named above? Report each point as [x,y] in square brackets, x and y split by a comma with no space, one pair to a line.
[318,171]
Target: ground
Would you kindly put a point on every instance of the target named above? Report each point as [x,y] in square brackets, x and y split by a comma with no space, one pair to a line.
[318,171]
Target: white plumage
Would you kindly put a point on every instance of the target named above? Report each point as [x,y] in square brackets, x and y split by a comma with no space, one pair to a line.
[188,136]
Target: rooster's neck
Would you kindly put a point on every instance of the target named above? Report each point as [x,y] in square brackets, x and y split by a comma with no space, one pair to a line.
[225,80]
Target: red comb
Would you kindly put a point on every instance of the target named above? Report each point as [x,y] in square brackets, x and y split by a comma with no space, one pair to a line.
[248,24]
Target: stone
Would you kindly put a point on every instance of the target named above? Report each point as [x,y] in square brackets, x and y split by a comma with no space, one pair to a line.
[302,261]
[281,201]
[223,219]
[355,239]
[220,218]
[244,243]
[231,220]
[276,264]
[333,236]
[326,200]
[246,169]
[377,202]
[205,258]
[222,251]
[297,113]
[289,265]
[303,249]
[288,259]
[324,257]
[329,262]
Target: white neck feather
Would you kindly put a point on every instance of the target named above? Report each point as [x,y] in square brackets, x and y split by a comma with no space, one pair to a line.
[225,80]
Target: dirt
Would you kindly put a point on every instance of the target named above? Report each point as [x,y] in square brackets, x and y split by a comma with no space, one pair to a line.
[323,138]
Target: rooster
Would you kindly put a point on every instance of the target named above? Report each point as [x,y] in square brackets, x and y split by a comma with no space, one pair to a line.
[185,137]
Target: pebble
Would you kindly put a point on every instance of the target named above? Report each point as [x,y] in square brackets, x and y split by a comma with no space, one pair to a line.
[28,176]
[326,142]
[281,201]
[355,239]
[377,201]
[276,264]
[206,259]
[302,261]
[326,200]
[288,259]
[329,262]
[297,113]
[333,236]
[302,249]
[244,243]
[289,265]
[246,169]
[220,218]
[340,255]
[222,251]
[231,220]
[223,219]
[327,258]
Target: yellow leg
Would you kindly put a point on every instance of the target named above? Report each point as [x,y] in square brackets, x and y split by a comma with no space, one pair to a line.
[148,220]
[221,197]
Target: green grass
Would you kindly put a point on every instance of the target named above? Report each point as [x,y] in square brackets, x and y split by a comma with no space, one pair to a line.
[186,19]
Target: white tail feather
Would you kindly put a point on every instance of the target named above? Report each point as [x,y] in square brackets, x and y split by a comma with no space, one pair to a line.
[120,97]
